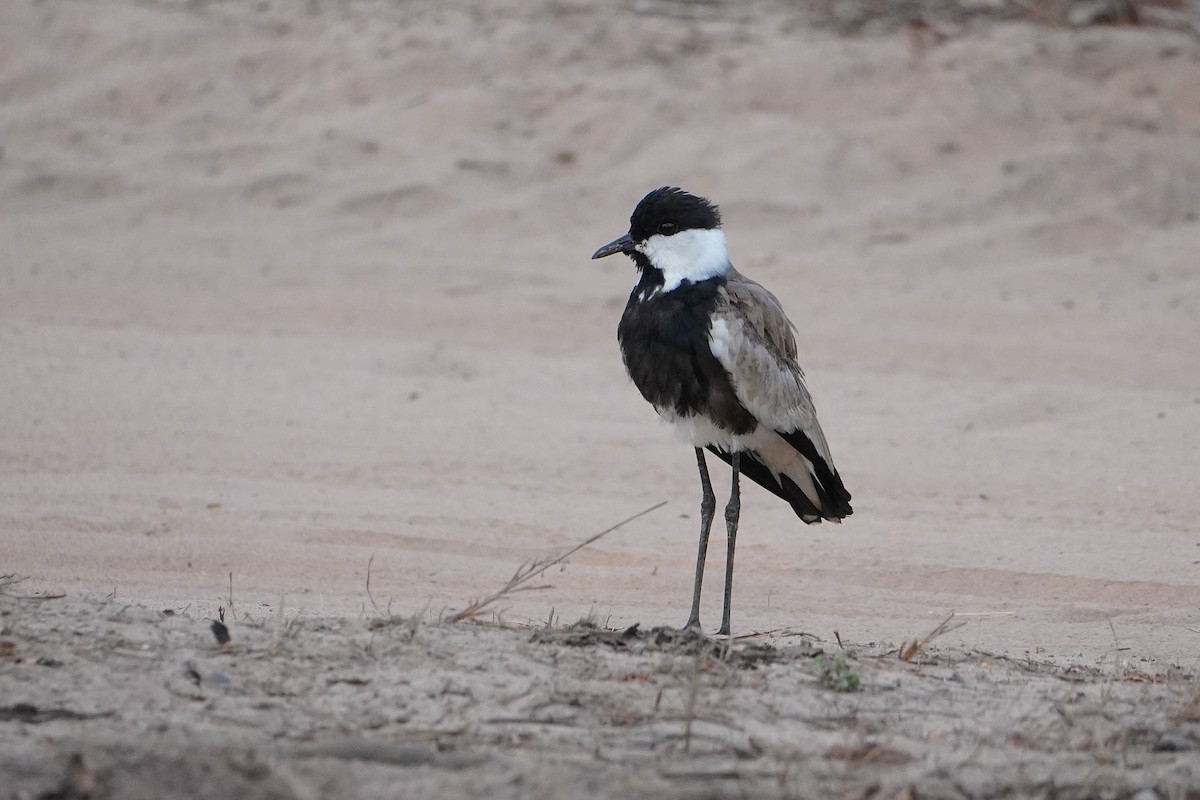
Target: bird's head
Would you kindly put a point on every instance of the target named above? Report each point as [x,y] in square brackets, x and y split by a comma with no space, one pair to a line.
[676,234]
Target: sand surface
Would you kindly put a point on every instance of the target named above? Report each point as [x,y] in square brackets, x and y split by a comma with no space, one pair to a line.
[112,700]
[287,289]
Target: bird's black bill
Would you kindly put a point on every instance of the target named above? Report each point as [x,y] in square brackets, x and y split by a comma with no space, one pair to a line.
[622,245]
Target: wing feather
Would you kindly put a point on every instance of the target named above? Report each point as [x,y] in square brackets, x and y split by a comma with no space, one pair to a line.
[755,343]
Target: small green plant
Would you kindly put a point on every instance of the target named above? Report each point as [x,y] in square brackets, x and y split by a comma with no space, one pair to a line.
[835,672]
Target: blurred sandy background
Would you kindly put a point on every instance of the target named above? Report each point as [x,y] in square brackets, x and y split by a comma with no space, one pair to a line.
[288,286]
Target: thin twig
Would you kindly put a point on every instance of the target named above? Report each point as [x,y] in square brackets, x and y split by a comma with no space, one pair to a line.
[778,632]
[369,595]
[1116,642]
[10,579]
[532,569]
[909,651]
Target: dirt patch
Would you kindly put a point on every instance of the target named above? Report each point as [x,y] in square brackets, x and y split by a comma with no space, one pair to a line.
[108,700]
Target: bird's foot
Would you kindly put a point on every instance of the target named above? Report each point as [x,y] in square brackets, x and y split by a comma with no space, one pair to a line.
[694,627]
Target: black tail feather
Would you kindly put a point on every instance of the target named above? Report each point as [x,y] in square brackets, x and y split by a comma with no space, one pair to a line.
[834,497]
[835,500]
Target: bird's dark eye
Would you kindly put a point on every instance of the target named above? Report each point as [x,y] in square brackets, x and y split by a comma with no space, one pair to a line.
[667,228]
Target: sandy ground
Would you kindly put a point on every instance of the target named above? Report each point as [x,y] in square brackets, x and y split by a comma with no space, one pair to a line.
[107,699]
[287,289]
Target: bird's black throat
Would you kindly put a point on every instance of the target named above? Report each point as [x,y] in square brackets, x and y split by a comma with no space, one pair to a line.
[650,279]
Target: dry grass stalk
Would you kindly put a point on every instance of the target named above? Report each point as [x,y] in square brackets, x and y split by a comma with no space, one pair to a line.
[370,596]
[11,579]
[910,650]
[519,582]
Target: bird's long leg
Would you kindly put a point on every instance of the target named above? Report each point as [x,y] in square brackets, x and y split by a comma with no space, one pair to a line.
[732,510]
[708,507]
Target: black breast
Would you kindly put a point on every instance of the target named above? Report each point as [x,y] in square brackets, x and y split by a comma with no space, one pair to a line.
[664,342]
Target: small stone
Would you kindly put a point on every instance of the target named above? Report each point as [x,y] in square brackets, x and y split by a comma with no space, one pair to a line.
[1173,743]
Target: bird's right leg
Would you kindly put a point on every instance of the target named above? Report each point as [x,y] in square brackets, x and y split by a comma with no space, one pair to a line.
[708,507]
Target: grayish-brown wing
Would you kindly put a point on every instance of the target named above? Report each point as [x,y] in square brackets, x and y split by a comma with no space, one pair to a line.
[756,344]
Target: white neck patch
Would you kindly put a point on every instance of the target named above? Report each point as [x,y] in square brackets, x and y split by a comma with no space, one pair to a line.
[693,255]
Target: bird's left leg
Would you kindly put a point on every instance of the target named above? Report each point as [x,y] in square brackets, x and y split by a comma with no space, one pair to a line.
[708,506]
[732,510]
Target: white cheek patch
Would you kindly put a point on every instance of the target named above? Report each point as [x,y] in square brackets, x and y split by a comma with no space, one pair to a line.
[693,255]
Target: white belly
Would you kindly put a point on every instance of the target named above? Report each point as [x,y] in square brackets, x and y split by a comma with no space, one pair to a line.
[701,432]
[766,446]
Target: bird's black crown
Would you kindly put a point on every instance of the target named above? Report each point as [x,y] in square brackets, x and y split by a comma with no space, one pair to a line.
[670,210]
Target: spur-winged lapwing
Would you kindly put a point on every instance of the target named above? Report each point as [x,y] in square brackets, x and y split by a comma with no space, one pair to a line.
[715,355]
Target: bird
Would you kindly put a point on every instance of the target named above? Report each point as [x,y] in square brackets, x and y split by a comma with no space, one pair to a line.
[715,354]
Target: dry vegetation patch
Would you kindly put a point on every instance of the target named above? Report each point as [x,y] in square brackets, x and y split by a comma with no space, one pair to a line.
[107,699]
